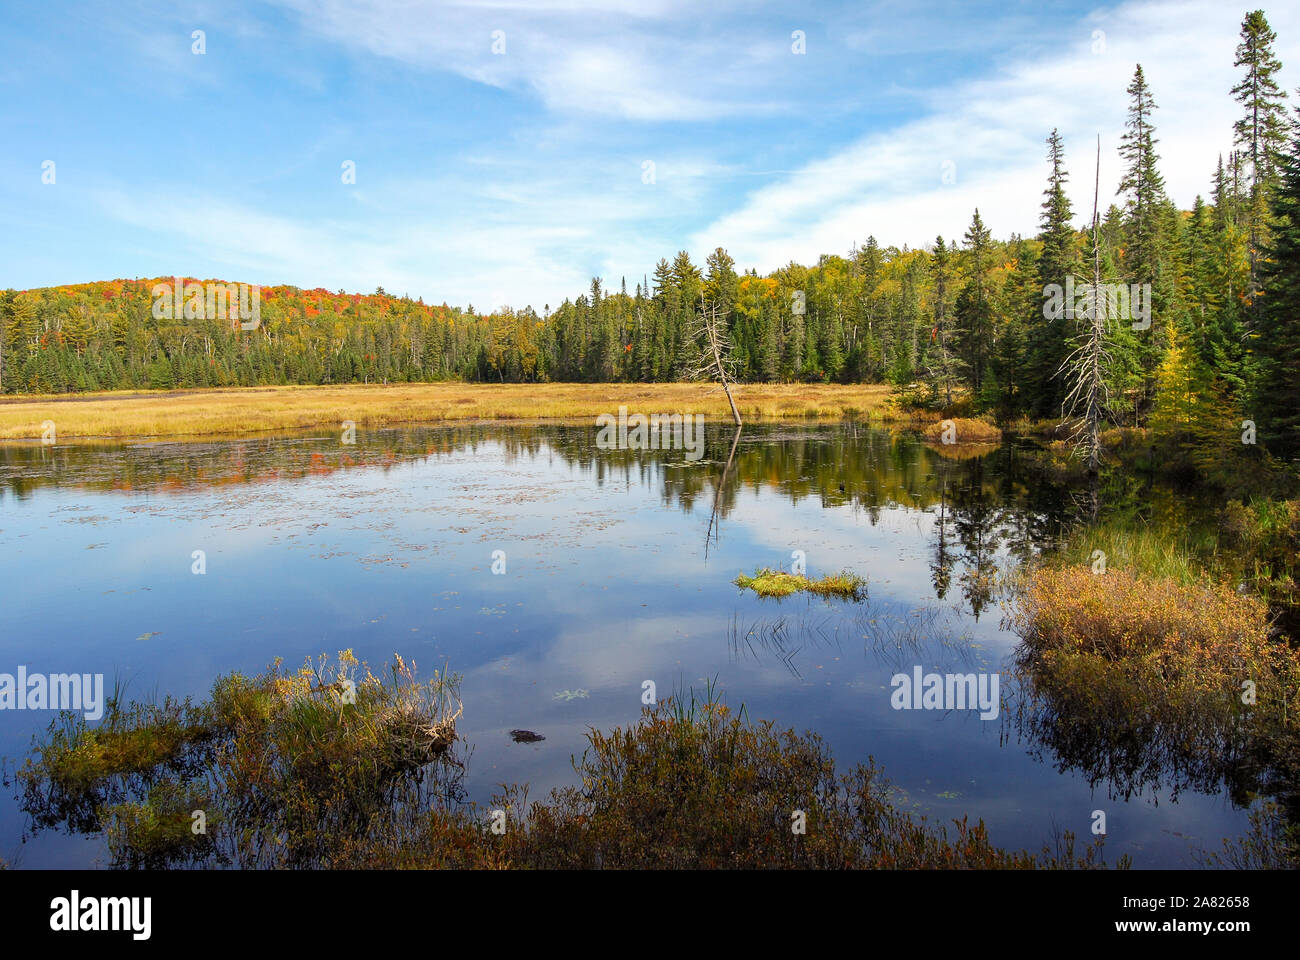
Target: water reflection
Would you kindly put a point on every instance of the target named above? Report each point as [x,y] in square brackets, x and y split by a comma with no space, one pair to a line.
[619,569]
[998,499]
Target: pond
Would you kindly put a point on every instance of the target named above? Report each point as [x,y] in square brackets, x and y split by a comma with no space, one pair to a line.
[564,580]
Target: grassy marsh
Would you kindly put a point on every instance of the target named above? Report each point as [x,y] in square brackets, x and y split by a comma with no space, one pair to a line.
[206,412]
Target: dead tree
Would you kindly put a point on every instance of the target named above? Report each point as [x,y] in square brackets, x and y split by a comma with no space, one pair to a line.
[709,333]
[1084,368]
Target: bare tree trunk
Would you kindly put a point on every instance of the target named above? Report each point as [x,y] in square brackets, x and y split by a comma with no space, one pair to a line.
[1087,399]
[720,349]
[1094,411]
[717,361]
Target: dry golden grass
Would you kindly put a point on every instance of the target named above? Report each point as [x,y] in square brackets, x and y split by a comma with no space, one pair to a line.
[1117,615]
[963,432]
[242,410]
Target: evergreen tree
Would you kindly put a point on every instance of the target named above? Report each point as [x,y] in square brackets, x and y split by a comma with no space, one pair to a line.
[1047,336]
[1146,255]
[1261,131]
[1277,342]
[974,309]
[944,366]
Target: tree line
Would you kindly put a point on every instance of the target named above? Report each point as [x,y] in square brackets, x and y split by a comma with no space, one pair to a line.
[965,317]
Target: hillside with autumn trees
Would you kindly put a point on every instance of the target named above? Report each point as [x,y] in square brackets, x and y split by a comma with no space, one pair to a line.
[964,313]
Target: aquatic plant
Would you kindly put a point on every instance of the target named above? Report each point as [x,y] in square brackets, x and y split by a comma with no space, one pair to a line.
[767,582]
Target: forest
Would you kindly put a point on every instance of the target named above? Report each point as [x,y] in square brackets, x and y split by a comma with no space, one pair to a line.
[967,317]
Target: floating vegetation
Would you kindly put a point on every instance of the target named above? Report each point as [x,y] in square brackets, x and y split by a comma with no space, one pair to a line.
[567,695]
[767,582]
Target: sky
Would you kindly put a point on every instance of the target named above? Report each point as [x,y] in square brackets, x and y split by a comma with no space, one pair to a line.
[505,152]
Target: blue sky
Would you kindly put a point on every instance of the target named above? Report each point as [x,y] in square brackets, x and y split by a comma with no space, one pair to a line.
[513,177]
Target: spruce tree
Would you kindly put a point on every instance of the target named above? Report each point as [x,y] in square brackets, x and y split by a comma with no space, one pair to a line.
[1147,252]
[1276,342]
[1047,337]
[943,366]
[974,309]
[1261,131]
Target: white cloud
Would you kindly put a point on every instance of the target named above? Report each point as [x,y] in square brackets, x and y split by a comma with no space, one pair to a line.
[640,61]
[527,218]
[890,184]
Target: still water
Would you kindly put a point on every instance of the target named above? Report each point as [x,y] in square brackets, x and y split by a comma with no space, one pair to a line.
[615,567]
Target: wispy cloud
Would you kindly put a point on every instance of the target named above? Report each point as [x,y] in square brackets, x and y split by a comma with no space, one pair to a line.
[513,178]
[640,61]
[987,135]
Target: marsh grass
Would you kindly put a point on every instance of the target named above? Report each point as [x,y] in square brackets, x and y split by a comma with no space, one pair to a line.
[1180,554]
[1205,635]
[1266,534]
[292,776]
[767,582]
[241,411]
[278,764]
[1255,546]
[1139,680]
[1271,843]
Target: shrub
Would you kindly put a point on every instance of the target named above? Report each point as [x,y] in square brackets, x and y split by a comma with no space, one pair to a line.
[1137,679]
[1200,631]
[287,762]
[686,787]
[699,788]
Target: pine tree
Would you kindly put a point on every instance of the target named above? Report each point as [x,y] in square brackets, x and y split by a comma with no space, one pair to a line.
[944,367]
[974,310]
[1277,341]
[1146,255]
[1047,336]
[1261,132]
